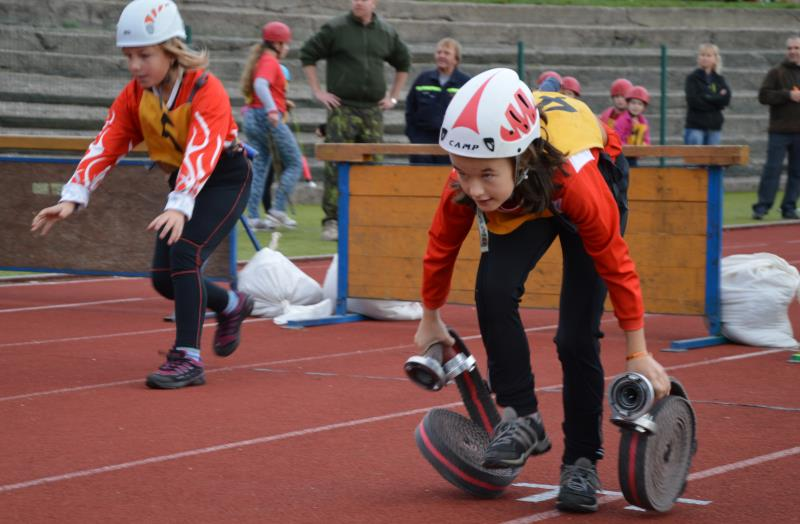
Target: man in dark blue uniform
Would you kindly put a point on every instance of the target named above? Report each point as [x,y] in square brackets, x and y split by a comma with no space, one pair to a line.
[429,96]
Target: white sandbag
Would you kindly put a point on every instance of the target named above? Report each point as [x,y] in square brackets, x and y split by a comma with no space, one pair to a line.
[372,308]
[314,311]
[276,284]
[756,291]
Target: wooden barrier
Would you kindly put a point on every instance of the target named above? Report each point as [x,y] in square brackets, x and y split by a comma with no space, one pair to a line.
[109,238]
[674,229]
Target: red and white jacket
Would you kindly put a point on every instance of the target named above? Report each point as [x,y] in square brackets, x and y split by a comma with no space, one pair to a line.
[187,135]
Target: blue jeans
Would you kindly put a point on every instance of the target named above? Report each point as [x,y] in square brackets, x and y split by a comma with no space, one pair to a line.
[259,132]
[778,144]
[701,137]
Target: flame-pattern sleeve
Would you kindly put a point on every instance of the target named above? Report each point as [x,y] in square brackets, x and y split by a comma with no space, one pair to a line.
[451,225]
[121,133]
[211,129]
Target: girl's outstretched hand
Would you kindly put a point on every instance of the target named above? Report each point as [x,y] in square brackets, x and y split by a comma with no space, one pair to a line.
[47,217]
[170,222]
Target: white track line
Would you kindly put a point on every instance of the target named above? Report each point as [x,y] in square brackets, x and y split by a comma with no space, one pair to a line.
[227,368]
[76,304]
[34,283]
[110,335]
[214,449]
[719,470]
[306,359]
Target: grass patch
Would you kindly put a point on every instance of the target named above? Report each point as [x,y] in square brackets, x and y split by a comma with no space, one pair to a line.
[302,241]
[691,4]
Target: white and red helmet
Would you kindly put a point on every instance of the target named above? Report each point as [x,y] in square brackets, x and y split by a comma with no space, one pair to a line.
[149,22]
[492,116]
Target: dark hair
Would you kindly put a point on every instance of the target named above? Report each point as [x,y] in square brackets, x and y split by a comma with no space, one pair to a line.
[539,164]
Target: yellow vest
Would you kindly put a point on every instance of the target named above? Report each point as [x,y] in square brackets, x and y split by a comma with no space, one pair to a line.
[165,131]
[571,126]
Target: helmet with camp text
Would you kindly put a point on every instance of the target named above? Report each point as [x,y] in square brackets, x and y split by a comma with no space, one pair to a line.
[149,22]
[620,86]
[493,115]
[639,93]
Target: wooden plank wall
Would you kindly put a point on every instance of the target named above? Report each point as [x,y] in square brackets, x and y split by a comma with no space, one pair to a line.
[391,207]
[109,236]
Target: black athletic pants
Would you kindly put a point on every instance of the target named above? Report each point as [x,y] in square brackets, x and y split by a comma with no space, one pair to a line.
[177,269]
[502,273]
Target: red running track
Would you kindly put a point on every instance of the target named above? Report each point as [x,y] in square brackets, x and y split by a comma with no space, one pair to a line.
[317,424]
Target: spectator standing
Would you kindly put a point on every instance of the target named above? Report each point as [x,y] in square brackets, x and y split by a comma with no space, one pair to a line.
[429,96]
[781,92]
[707,94]
[619,88]
[264,88]
[355,46]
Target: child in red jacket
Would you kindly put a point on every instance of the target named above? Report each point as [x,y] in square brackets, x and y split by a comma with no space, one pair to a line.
[183,114]
[527,167]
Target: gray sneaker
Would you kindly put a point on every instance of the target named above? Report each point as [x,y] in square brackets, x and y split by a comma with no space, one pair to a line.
[515,439]
[578,487]
[330,231]
[282,219]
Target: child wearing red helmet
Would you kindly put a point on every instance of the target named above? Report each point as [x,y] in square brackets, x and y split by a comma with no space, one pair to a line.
[570,87]
[527,169]
[264,87]
[619,88]
[632,126]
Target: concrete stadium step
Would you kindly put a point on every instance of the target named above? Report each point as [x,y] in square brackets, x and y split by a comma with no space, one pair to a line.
[594,77]
[44,88]
[104,13]
[673,28]
[99,42]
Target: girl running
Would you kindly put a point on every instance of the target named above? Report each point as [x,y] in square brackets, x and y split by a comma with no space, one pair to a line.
[183,114]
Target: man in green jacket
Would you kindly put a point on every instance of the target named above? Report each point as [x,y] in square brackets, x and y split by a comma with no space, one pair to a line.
[355,46]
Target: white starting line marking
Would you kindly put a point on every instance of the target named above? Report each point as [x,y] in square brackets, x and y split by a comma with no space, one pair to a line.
[551,493]
[612,496]
[76,304]
[331,374]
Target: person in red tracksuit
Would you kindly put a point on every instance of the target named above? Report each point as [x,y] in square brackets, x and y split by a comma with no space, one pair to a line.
[527,167]
[183,114]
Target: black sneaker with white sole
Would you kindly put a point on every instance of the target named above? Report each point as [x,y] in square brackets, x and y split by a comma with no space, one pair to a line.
[515,439]
[178,371]
[578,487]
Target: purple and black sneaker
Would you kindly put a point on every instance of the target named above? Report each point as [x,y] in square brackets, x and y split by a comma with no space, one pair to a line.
[177,372]
[229,326]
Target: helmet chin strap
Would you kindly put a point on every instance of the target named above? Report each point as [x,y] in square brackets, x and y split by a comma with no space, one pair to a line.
[519,177]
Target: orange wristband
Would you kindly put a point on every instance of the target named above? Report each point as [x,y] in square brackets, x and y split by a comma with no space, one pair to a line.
[638,354]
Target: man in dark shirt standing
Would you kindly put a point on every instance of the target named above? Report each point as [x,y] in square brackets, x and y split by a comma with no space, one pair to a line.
[355,46]
[781,91]
[429,97]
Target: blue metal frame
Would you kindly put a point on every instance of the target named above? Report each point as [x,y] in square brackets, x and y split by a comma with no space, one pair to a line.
[713,302]
[340,314]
